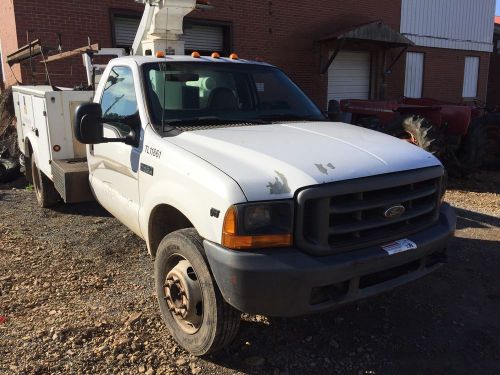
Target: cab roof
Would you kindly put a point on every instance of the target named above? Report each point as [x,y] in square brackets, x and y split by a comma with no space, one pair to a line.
[202,59]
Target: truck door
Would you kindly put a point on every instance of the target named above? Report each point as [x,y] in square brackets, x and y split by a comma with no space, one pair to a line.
[114,166]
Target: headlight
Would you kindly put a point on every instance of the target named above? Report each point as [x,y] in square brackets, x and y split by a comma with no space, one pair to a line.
[258,225]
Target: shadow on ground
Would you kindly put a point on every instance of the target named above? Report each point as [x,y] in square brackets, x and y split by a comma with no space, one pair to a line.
[480,182]
[471,219]
[79,209]
[445,323]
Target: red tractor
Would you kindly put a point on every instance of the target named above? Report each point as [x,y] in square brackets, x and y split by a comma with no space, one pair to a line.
[464,137]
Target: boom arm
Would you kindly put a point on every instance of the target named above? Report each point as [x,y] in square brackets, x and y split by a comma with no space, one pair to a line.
[161,26]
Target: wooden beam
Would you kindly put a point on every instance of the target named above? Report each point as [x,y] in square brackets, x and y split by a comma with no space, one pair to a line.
[75,52]
[27,52]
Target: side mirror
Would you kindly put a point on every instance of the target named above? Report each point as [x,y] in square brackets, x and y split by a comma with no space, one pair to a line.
[88,126]
[334,110]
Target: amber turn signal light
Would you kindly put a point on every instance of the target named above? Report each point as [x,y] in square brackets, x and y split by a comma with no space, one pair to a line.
[233,56]
[160,54]
[195,55]
[216,55]
[231,239]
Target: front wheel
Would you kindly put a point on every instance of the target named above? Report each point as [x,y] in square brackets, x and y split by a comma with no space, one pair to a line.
[190,302]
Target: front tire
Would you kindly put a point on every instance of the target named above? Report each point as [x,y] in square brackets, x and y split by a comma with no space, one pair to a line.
[190,302]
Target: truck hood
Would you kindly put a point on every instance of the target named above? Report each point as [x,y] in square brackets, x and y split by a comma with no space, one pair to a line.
[274,161]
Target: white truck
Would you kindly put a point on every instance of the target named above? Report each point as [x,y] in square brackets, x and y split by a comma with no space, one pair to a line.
[249,200]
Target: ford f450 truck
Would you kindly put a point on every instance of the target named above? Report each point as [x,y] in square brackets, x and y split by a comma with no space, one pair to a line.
[249,200]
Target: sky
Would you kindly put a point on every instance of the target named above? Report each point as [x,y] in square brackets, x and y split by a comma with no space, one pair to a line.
[498,8]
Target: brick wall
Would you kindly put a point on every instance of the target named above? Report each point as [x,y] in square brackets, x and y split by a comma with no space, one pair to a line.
[286,31]
[282,32]
[75,20]
[8,41]
[494,78]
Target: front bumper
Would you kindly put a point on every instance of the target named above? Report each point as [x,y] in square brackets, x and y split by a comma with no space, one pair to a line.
[287,282]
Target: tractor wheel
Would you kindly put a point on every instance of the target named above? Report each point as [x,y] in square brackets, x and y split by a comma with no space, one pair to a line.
[475,147]
[415,130]
[491,130]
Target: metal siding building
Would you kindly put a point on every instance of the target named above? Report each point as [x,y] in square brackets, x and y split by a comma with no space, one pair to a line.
[453,24]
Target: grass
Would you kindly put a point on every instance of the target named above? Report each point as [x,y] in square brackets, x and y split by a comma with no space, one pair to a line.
[29,188]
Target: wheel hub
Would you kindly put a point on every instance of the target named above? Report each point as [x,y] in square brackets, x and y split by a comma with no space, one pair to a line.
[183,296]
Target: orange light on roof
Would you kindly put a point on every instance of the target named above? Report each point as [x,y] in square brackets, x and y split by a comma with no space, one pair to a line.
[233,56]
[160,54]
[232,240]
[196,55]
[215,55]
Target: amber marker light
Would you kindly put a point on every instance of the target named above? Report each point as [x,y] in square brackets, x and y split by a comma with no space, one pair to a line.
[195,55]
[234,56]
[216,55]
[160,54]
[232,240]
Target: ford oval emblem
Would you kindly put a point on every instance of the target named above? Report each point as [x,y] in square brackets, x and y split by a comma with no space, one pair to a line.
[394,211]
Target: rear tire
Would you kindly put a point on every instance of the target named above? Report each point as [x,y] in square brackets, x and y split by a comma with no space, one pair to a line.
[191,305]
[46,194]
[481,146]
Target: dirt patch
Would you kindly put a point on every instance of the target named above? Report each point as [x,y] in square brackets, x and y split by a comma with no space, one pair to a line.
[76,292]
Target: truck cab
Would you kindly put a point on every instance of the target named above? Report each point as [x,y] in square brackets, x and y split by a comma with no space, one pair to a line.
[249,199]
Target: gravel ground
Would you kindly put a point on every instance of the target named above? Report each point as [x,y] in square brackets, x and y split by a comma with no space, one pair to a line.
[76,296]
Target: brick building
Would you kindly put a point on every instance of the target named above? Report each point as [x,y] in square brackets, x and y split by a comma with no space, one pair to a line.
[443,58]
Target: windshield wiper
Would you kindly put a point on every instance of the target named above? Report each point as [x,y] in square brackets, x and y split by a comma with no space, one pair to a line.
[196,121]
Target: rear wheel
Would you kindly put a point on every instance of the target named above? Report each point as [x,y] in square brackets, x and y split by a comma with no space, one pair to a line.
[190,302]
[481,146]
[491,131]
[46,194]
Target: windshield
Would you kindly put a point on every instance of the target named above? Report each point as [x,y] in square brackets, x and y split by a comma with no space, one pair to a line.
[183,93]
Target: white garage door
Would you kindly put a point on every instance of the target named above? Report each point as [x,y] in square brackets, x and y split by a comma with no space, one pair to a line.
[349,76]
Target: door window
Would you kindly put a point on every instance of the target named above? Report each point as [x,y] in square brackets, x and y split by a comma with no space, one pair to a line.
[119,101]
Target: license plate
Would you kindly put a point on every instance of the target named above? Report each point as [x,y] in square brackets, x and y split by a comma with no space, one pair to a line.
[399,246]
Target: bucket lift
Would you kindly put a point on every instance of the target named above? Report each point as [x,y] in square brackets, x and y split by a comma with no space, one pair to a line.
[161,26]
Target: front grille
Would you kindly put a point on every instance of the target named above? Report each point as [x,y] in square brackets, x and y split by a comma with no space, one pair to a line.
[349,215]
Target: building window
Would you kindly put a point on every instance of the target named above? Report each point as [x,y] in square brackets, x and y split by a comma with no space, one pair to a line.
[414,77]
[124,27]
[471,75]
[207,36]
